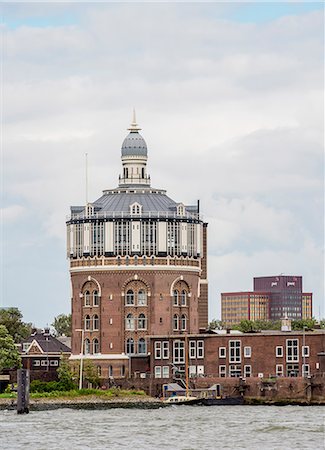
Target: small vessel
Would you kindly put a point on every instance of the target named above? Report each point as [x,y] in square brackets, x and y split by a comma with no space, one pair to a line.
[181,400]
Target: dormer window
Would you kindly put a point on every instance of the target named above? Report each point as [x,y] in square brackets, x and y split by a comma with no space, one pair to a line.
[181,210]
[135,209]
[89,210]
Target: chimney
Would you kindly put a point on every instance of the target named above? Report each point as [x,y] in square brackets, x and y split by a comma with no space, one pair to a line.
[286,323]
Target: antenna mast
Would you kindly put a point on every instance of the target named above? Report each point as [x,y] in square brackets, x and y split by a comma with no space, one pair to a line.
[86,155]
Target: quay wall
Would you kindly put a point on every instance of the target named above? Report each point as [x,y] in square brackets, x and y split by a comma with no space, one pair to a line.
[277,389]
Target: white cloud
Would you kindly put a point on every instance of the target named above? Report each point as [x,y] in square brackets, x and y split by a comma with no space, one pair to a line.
[11,213]
[232,114]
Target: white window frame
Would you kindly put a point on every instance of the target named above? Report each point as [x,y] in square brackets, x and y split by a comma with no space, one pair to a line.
[235,351]
[200,370]
[36,363]
[279,351]
[158,350]
[178,352]
[222,352]
[44,362]
[279,370]
[247,352]
[222,371]
[305,373]
[292,358]
[157,371]
[192,349]
[26,346]
[165,371]
[165,350]
[305,351]
[200,349]
[54,362]
[247,371]
[236,370]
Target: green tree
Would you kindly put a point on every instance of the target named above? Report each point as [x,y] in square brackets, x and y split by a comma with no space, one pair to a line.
[11,318]
[245,326]
[322,323]
[90,373]
[215,324]
[9,355]
[308,324]
[65,375]
[62,324]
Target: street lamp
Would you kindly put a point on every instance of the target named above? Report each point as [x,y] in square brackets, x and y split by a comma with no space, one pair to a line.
[81,355]
[304,350]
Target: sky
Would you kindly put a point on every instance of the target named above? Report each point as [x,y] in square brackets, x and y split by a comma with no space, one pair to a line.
[230,100]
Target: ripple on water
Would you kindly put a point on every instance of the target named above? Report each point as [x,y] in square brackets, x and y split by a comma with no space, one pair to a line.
[178,428]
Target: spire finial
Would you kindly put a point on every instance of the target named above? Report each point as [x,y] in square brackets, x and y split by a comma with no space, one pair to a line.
[134,126]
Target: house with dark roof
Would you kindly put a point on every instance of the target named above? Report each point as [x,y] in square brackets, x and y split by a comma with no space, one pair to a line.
[41,353]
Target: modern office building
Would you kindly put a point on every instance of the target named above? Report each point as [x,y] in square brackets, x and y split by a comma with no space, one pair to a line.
[273,298]
[286,295]
[307,305]
[138,265]
[237,306]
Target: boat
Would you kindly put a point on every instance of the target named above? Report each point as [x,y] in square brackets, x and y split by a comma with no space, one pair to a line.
[220,401]
[181,400]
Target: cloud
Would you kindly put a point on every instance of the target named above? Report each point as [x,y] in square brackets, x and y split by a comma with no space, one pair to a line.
[11,213]
[232,114]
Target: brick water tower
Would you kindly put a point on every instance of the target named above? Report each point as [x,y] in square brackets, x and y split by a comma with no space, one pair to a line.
[138,265]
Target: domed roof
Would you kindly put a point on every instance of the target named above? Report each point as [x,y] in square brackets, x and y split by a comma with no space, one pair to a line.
[134,145]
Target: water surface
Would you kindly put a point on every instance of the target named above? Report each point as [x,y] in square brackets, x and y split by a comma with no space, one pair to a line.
[177,427]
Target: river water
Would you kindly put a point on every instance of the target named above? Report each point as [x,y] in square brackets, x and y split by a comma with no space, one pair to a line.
[176,427]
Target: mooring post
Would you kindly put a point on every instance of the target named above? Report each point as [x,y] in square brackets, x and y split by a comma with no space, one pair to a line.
[23,391]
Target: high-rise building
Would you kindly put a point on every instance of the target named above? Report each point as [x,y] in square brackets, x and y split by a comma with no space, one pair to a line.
[138,265]
[307,305]
[273,298]
[238,306]
[286,295]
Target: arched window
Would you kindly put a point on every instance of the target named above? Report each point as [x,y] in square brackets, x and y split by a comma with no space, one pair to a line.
[175,322]
[183,297]
[87,298]
[129,322]
[130,346]
[95,298]
[87,322]
[142,298]
[95,322]
[87,347]
[130,297]
[96,346]
[142,322]
[142,346]
[175,297]
[183,322]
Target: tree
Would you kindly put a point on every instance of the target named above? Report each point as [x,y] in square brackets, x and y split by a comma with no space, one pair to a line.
[215,324]
[91,373]
[65,375]
[11,318]
[9,355]
[322,323]
[62,324]
[308,324]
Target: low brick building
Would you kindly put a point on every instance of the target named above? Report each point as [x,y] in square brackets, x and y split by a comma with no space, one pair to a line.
[41,353]
[264,355]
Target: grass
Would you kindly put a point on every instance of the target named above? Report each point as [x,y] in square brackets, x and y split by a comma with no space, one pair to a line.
[109,393]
